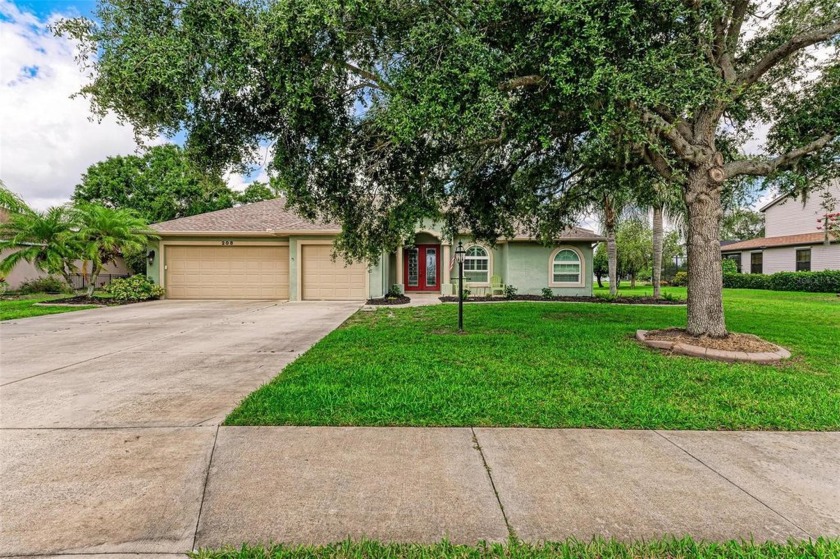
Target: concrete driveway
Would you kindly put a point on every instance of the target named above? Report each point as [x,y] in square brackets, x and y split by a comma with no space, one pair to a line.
[108,416]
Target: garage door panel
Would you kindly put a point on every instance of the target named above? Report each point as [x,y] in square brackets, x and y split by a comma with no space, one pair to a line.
[238,272]
[325,279]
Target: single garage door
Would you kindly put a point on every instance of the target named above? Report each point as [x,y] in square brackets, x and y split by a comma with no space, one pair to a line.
[327,280]
[227,272]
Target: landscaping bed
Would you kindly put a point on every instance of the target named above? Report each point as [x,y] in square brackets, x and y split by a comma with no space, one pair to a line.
[633,300]
[87,301]
[733,342]
[401,300]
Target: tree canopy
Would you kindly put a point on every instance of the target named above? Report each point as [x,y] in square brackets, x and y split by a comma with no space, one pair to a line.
[489,114]
[159,185]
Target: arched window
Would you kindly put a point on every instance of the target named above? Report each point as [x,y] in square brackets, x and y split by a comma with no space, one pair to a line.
[476,265]
[566,267]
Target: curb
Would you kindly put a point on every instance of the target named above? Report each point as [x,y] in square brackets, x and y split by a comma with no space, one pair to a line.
[715,354]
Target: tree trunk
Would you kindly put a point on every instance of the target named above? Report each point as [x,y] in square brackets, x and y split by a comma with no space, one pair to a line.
[612,255]
[94,275]
[633,280]
[705,275]
[658,234]
[598,277]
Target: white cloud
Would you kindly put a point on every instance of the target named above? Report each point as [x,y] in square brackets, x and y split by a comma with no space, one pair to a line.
[46,139]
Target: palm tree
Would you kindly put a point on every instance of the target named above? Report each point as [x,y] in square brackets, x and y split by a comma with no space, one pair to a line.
[661,199]
[105,233]
[45,239]
[11,202]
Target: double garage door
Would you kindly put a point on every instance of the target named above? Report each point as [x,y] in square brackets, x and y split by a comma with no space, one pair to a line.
[258,272]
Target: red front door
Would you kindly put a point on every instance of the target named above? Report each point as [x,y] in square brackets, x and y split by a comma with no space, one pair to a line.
[421,268]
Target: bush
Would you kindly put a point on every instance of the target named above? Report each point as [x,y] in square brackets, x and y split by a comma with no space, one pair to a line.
[547,293]
[827,281]
[48,284]
[729,266]
[510,292]
[394,292]
[135,288]
[680,279]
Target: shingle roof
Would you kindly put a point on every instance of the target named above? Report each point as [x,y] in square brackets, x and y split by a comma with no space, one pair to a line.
[770,242]
[269,216]
[272,217]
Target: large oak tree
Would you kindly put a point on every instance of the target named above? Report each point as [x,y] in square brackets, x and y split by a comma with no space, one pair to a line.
[492,114]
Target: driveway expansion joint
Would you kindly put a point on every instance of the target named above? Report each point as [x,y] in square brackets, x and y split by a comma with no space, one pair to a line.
[204,488]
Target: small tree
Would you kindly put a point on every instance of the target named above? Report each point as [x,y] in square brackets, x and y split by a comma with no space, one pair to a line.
[600,263]
[105,233]
[634,239]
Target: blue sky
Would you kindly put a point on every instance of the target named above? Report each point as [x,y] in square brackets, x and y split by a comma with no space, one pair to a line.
[44,8]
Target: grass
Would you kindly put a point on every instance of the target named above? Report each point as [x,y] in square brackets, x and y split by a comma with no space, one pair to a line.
[25,307]
[685,548]
[560,365]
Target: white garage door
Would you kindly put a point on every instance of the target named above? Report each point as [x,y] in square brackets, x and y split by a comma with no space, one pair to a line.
[227,272]
[327,280]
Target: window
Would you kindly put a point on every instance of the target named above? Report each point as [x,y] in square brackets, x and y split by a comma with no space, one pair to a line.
[756,263]
[736,258]
[803,260]
[476,265]
[565,267]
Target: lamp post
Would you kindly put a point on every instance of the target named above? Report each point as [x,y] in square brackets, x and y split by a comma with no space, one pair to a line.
[459,256]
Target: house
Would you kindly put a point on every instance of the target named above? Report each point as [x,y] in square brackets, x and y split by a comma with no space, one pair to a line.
[265,251]
[793,241]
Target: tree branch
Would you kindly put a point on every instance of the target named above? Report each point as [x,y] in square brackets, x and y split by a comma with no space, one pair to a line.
[669,132]
[661,165]
[521,81]
[371,77]
[760,168]
[797,42]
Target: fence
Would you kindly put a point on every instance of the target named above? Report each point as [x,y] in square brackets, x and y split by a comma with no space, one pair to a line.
[80,282]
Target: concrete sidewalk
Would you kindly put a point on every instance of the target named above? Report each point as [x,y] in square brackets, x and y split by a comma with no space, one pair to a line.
[170,489]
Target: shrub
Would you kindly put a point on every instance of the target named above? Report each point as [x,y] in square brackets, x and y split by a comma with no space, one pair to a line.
[47,284]
[510,292]
[827,281]
[680,279]
[135,288]
[394,292]
[729,266]
[547,293]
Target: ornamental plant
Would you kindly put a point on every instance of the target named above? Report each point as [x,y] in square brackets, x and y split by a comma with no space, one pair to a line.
[135,288]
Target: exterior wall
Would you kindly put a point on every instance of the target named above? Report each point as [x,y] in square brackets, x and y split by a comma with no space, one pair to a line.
[791,217]
[783,259]
[25,271]
[527,268]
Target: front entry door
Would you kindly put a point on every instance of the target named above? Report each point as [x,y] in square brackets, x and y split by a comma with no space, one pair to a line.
[421,267]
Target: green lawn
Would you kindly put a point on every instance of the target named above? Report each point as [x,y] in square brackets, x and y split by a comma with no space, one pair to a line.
[560,365]
[685,548]
[25,307]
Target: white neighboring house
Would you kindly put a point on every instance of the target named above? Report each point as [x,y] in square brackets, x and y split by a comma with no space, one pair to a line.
[792,242]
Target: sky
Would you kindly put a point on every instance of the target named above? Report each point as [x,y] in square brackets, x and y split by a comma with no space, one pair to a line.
[47,139]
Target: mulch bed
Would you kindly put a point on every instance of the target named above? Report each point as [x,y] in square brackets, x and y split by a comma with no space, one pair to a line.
[733,342]
[401,300]
[576,299]
[85,300]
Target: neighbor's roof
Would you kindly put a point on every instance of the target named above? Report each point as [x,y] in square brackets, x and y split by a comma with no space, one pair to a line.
[272,217]
[267,217]
[771,242]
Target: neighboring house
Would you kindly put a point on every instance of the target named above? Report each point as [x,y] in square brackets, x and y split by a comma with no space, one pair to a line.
[792,242]
[265,251]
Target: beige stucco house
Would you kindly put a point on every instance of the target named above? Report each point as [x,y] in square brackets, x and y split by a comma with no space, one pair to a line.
[265,251]
[792,240]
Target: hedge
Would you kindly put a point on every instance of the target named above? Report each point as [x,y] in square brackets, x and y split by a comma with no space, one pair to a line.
[827,281]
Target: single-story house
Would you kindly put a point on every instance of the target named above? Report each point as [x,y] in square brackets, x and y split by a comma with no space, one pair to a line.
[265,251]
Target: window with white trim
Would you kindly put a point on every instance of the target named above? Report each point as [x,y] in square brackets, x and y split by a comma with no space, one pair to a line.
[476,265]
[565,267]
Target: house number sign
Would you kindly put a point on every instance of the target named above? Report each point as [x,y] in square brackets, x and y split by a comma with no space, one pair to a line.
[227,243]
